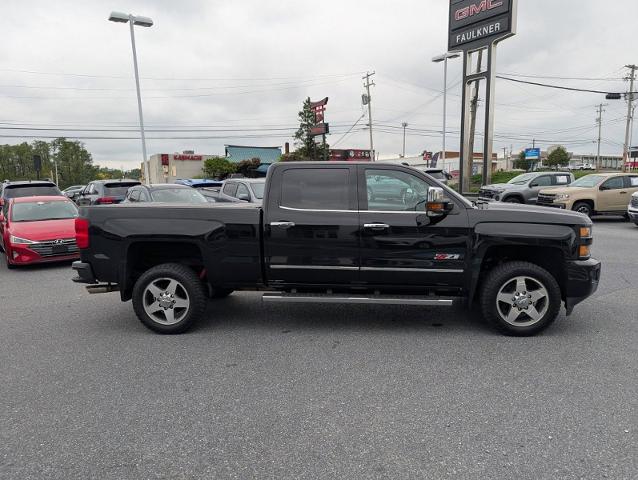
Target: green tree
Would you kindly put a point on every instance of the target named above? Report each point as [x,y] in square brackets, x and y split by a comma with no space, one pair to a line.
[248,167]
[521,162]
[307,147]
[558,157]
[218,167]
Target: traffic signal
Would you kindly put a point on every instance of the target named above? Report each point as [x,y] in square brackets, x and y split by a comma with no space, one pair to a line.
[613,96]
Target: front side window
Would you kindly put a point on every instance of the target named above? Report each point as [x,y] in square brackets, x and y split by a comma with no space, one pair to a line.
[316,188]
[615,183]
[389,190]
[544,181]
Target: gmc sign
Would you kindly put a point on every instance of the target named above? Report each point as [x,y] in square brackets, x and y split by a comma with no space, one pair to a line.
[475,24]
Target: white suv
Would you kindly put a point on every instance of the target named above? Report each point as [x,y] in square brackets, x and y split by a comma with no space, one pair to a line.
[632,209]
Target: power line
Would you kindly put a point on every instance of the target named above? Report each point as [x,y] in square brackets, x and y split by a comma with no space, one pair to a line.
[551,77]
[559,87]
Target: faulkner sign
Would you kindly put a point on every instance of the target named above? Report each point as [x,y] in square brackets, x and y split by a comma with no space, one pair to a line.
[477,23]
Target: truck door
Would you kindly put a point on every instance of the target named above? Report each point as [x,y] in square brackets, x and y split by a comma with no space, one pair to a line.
[612,195]
[311,226]
[537,185]
[400,244]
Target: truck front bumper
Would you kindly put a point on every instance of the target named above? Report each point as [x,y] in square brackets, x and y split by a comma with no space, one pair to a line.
[583,277]
[85,273]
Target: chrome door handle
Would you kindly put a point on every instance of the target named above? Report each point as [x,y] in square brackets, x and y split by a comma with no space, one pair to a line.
[284,225]
[376,226]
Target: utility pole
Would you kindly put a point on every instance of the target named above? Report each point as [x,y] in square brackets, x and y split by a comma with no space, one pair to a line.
[473,108]
[631,135]
[599,121]
[404,125]
[630,103]
[505,157]
[369,84]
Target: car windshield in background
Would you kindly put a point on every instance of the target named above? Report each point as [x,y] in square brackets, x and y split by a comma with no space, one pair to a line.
[587,181]
[258,190]
[117,189]
[32,191]
[178,195]
[437,175]
[38,211]
[522,179]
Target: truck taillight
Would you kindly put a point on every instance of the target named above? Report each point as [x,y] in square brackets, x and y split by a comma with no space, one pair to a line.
[82,232]
[105,200]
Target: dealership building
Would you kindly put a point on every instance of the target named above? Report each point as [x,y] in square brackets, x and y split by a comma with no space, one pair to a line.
[168,167]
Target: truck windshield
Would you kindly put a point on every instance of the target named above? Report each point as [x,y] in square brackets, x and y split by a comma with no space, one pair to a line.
[521,179]
[178,195]
[588,181]
[38,211]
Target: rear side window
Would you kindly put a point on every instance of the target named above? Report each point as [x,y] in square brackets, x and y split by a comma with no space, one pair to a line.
[316,188]
[631,182]
[117,189]
[31,191]
[563,180]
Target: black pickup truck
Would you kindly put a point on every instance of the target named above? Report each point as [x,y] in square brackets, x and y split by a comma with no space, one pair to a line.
[341,233]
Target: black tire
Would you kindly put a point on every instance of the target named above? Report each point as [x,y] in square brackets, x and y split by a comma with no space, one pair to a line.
[513,200]
[219,293]
[500,278]
[189,289]
[584,208]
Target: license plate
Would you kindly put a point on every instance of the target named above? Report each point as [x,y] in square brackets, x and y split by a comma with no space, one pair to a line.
[59,249]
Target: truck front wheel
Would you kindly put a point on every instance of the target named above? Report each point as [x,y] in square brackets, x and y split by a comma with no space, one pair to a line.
[168,298]
[520,298]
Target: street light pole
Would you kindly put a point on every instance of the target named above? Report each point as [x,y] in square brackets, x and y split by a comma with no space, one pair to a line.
[147,168]
[444,58]
[143,22]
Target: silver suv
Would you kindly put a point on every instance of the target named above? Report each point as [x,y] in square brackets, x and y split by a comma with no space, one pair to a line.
[525,187]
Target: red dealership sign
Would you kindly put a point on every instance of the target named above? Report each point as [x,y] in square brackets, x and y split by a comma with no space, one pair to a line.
[197,158]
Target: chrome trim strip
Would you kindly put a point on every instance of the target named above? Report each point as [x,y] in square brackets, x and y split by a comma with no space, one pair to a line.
[313,267]
[424,270]
[358,300]
[411,212]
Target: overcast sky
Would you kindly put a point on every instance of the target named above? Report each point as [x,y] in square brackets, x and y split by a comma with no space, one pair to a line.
[236,72]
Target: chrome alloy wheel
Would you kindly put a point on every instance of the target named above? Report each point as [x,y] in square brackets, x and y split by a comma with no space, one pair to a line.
[166,301]
[522,301]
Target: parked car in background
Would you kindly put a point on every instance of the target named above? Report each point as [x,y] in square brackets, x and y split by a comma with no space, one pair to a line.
[38,229]
[27,188]
[524,188]
[73,191]
[632,209]
[209,188]
[164,193]
[599,193]
[105,192]
[249,190]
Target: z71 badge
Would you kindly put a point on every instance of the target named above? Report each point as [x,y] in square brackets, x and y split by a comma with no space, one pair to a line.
[447,256]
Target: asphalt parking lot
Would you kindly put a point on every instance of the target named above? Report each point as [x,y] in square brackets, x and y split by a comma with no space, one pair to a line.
[265,391]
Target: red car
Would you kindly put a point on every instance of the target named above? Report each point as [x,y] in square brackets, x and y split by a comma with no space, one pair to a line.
[38,229]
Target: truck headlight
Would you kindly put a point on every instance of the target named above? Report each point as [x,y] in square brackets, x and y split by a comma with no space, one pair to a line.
[562,196]
[20,241]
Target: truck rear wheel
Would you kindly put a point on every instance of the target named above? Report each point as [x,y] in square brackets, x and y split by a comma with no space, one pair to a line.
[520,299]
[168,298]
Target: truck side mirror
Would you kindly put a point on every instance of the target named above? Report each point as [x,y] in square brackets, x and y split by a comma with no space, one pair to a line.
[437,205]
[244,196]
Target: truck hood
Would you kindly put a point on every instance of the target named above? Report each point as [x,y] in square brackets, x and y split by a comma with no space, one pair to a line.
[563,190]
[519,213]
[501,187]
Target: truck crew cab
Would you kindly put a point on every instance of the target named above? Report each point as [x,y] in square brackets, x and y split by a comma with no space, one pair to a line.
[341,233]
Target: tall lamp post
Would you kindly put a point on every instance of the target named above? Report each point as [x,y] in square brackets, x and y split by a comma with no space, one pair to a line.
[133,20]
[444,58]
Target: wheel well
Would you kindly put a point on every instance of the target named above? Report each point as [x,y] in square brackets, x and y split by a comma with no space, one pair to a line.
[551,259]
[513,195]
[142,256]
[588,202]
